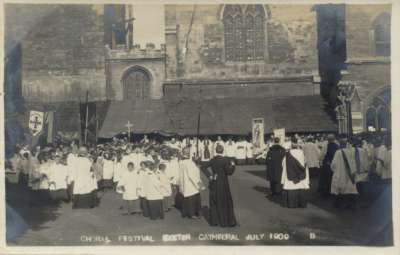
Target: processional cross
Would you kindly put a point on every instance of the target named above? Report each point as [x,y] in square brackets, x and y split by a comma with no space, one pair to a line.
[129,125]
[36,122]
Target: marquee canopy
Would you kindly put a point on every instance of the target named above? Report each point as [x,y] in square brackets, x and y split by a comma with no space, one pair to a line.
[217,116]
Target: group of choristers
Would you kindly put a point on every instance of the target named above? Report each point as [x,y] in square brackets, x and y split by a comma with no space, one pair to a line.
[242,151]
[146,186]
[150,182]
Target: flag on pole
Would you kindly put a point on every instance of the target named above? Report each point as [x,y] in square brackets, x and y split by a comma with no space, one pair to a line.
[42,127]
[258,132]
[50,126]
[88,122]
[36,122]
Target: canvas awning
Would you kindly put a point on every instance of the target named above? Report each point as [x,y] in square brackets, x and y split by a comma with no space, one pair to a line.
[146,117]
[218,116]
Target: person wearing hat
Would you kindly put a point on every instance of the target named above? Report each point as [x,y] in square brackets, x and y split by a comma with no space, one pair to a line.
[190,185]
[221,202]
[84,183]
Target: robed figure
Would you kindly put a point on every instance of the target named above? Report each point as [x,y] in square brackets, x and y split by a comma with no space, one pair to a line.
[346,165]
[221,203]
[274,159]
[84,182]
[325,179]
[295,177]
[190,185]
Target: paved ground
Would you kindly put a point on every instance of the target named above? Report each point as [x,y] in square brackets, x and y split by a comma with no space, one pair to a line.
[261,221]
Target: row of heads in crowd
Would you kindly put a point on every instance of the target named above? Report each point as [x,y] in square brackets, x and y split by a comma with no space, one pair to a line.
[118,147]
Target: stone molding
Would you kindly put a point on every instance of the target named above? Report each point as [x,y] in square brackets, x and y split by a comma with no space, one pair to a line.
[282,80]
[369,60]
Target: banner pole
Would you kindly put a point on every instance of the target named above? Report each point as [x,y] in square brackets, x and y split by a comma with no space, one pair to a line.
[87,115]
[198,132]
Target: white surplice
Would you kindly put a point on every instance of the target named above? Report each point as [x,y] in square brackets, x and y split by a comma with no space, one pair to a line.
[230,148]
[241,150]
[189,180]
[58,177]
[166,183]
[45,170]
[151,186]
[71,158]
[108,169]
[290,185]
[119,170]
[84,180]
[130,182]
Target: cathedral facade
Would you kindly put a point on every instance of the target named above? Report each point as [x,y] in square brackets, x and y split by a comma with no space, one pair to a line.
[241,51]
[210,52]
[230,50]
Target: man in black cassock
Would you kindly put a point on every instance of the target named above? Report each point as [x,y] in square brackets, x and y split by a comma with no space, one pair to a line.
[325,179]
[221,203]
[274,159]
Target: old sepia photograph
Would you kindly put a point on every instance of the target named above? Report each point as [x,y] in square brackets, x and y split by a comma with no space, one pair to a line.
[132,124]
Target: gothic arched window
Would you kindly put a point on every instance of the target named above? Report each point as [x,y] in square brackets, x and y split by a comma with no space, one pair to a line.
[136,84]
[381,29]
[244,32]
[378,115]
[371,120]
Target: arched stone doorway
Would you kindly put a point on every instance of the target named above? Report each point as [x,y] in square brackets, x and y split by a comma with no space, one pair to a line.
[378,111]
[136,83]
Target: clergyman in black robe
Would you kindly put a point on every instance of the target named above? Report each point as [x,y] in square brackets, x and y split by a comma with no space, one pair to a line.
[274,159]
[221,203]
[325,179]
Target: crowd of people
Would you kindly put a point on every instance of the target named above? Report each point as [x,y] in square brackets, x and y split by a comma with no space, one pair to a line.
[152,177]
[342,167]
